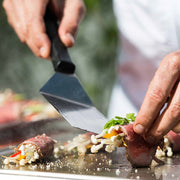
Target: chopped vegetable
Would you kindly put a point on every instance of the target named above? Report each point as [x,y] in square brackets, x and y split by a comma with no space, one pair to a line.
[22,157]
[113,133]
[15,154]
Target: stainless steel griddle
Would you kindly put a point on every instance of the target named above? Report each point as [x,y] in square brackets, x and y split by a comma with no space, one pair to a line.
[71,166]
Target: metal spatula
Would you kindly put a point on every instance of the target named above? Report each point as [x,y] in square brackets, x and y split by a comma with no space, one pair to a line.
[64,91]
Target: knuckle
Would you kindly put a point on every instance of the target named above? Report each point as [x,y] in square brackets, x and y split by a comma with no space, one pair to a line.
[174,110]
[156,95]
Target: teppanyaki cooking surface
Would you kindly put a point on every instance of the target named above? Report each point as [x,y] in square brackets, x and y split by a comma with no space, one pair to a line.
[91,166]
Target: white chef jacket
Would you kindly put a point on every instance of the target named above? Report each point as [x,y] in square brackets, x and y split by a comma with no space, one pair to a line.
[149,30]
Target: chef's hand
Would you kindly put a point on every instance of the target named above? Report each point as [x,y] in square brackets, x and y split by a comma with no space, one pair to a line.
[164,86]
[26,18]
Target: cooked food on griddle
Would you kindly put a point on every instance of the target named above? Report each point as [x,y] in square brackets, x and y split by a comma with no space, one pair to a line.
[31,150]
[108,140]
[15,107]
[118,132]
[174,140]
[139,152]
[81,143]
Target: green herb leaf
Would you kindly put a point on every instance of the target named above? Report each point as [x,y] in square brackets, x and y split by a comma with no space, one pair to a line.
[120,120]
[131,116]
[115,121]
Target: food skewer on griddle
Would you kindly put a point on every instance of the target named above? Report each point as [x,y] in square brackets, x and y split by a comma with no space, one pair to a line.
[32,150]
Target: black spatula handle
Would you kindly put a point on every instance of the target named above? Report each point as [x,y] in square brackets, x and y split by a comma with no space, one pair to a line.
[59,54]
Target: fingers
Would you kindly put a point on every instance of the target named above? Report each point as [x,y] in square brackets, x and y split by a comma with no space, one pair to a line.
[159,89]
[26,17]
[72,15]
[168,120]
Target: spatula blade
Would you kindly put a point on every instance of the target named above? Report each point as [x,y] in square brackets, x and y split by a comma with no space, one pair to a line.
[67,95]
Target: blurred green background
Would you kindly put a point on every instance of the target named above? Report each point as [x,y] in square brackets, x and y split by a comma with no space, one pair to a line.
[94,55]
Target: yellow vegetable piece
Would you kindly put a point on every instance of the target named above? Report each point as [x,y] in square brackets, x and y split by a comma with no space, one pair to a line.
[21,157]
[108,136]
